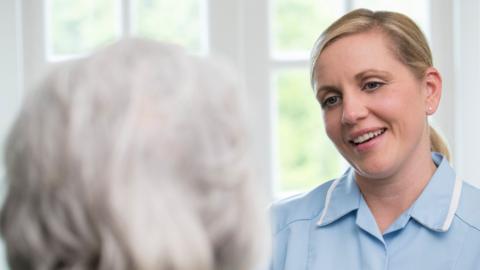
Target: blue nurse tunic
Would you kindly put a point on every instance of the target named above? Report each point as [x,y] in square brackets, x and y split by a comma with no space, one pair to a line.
[332,227]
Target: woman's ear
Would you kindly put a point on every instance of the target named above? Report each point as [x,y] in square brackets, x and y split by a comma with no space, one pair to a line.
[432,84]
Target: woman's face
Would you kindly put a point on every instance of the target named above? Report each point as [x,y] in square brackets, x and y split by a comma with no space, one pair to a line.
[374,107]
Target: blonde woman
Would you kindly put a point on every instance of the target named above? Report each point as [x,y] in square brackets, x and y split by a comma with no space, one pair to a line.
[400,205]
[135,157]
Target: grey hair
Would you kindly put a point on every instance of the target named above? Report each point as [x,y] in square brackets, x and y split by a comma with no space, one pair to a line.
[136,157]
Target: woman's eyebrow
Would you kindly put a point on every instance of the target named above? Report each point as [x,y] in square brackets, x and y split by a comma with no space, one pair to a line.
[326,88]
[372,72]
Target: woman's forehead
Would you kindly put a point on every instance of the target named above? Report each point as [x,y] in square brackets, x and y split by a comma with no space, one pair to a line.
[355,53]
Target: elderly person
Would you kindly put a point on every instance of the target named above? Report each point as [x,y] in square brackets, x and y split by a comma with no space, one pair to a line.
[399,206]
[133,158]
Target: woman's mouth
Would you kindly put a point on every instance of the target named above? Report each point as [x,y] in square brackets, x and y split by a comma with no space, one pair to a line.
[366,137]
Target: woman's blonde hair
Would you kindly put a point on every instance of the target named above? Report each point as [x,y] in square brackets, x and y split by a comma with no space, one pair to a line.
[133,158]
[408,44]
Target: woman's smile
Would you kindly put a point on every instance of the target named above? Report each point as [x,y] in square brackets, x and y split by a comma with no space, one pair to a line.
[367,139]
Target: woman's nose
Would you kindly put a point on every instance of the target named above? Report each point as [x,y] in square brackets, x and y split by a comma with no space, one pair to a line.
[353,110]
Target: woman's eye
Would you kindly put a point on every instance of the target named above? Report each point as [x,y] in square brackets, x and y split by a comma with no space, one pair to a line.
[330,101]
[372,85]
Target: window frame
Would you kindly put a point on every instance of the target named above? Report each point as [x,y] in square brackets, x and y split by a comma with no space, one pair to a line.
[238,31]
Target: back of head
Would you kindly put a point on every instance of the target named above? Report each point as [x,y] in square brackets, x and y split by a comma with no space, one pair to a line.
[407,41]
[133,158]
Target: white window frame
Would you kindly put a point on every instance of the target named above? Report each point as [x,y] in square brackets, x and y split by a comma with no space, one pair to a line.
[11,75]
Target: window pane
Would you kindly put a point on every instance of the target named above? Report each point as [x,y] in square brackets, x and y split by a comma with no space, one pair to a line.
[172,20]
[307,158]
[418,10]
[297,24]
[76,27]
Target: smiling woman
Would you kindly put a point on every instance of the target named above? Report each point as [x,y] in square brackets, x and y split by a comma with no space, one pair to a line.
[373,75]
[376,94]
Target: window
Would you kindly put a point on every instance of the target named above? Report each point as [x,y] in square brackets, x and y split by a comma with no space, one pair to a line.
[268,42]
[177,21]
[297,23]
[75,28]
[305,156]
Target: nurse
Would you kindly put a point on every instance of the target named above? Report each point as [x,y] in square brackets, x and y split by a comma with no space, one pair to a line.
[399,205]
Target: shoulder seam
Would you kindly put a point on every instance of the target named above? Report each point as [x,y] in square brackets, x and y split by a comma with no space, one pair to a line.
[299,218]
[468,223]
[291,222]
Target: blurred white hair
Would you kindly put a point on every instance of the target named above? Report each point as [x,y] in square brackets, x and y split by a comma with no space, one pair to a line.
[136,157]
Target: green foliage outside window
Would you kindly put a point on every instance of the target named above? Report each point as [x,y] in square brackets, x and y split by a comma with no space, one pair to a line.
[297,23]
[172,20]
[307,158]
[77,27]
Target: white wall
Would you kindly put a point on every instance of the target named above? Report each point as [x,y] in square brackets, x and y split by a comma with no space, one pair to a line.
[10,66]
[455,44]
[10,78]
[467,88]
[442,45]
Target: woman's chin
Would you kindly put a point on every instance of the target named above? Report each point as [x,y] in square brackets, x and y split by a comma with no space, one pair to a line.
[370,169]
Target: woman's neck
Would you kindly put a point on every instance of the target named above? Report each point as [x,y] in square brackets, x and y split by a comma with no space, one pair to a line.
[388,198]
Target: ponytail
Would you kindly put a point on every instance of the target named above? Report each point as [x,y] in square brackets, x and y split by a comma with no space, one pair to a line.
[438,144]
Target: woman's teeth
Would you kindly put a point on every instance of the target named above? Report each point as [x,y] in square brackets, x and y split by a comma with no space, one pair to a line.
[368,136]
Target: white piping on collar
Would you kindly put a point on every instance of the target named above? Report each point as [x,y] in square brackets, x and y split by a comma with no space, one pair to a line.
[454,201]
[327,200]
[452,209]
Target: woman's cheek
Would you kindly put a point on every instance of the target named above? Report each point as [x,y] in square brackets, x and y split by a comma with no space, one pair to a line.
[332,128]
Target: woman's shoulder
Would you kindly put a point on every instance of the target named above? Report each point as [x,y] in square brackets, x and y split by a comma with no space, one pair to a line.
[300,207]
[469,206]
